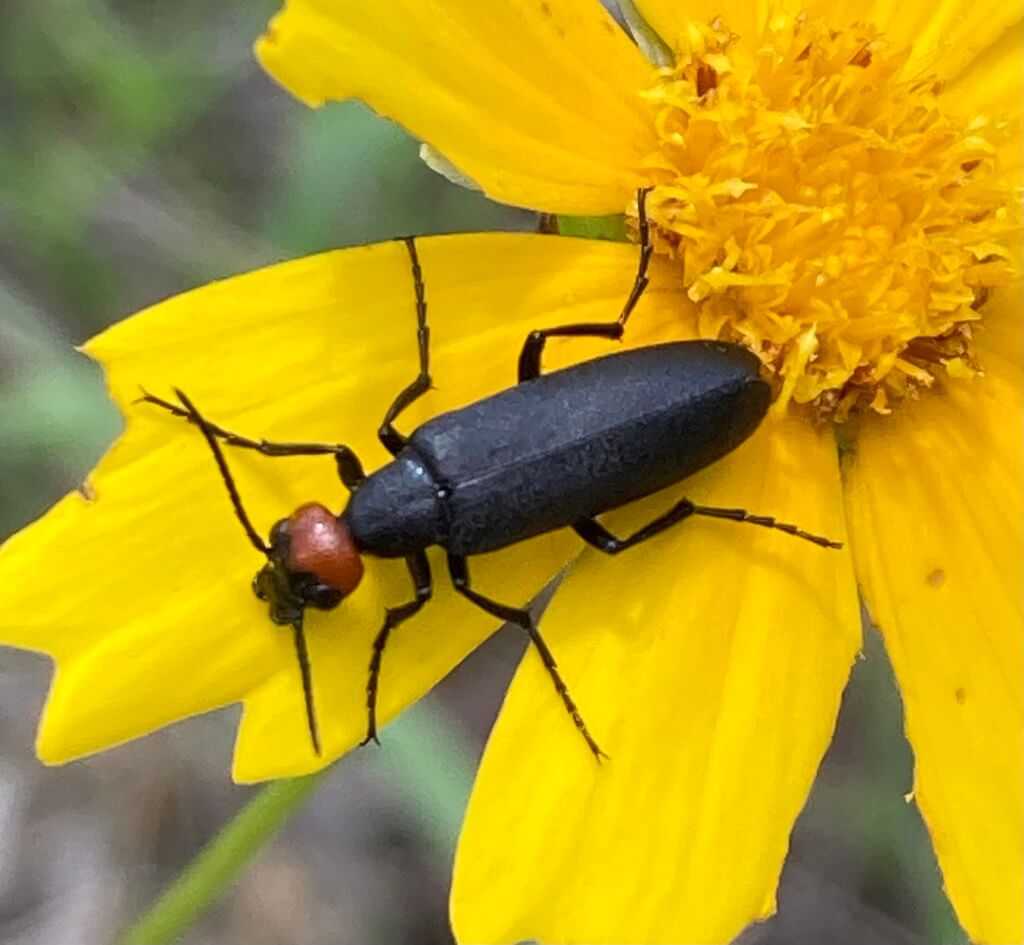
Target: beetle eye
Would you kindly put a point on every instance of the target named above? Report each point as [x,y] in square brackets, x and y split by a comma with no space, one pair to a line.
[324,597]
[279,533]
[313,592]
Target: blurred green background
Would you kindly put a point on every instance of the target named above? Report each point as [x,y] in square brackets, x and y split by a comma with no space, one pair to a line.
[142,152]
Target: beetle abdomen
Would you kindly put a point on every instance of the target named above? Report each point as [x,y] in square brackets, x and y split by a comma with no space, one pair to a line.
[581,441]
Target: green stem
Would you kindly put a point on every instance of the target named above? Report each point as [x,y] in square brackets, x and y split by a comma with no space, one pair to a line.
[429,770]
[593,228]
[651,44]
[215,869]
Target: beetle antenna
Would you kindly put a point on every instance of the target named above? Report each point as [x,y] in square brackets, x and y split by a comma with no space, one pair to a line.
[225,473]
[767,521]
[305,670]
[299,634]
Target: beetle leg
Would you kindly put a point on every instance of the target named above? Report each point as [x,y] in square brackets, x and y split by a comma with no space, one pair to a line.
[393,440]
[350,469]
[533,347]
[458,567]
[419,571]
[765,521]
[594,533]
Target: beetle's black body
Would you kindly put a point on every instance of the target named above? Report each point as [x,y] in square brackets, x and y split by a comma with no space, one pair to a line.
[556,450]
[560,448]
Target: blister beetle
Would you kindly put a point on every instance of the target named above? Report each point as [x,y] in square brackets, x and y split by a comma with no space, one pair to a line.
[554,451]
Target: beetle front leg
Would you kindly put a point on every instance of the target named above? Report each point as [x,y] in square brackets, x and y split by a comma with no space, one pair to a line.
[419,571]
[533,347]
[458,567]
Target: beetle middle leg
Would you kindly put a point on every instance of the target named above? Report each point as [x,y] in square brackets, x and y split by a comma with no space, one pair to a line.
[533,347]
[350,470]
[393,440]
[419,571]
[458,567]
[595,534]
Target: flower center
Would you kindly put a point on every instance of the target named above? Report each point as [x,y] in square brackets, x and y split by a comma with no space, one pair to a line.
[827,213]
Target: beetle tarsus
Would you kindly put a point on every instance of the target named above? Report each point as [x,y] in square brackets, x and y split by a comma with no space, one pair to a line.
[392,440]
[766,521]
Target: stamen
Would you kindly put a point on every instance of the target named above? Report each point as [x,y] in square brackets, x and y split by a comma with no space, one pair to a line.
[828,212]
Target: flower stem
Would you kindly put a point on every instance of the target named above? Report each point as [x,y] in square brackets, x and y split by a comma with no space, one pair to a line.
[430,770]
[650,43]
[593,228]
[206,878]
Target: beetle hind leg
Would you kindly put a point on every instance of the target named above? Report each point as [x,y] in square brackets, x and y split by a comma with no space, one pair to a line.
[596,535]
[458,567]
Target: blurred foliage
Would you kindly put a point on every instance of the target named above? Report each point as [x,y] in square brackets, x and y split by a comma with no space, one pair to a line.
[142,153]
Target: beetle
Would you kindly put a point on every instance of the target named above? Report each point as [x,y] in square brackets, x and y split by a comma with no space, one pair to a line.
[554,451]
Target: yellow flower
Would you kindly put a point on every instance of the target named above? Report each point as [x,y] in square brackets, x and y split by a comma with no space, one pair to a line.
[836,186]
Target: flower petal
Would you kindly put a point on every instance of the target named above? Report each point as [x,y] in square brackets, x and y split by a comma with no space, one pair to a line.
[671,19]
[153,671]
[709,664]
[993,84]
[945,36]
[142,595]
[536,101]
[934,504]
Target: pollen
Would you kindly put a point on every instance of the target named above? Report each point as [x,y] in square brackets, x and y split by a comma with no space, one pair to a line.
[827,212]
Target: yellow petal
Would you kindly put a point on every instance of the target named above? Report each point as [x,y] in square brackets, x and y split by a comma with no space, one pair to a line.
[536,101]
[934,504]
[944,37]
[708,663]
[993,85]
[142,595]
[203,648]
[671,19]
[993,78]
